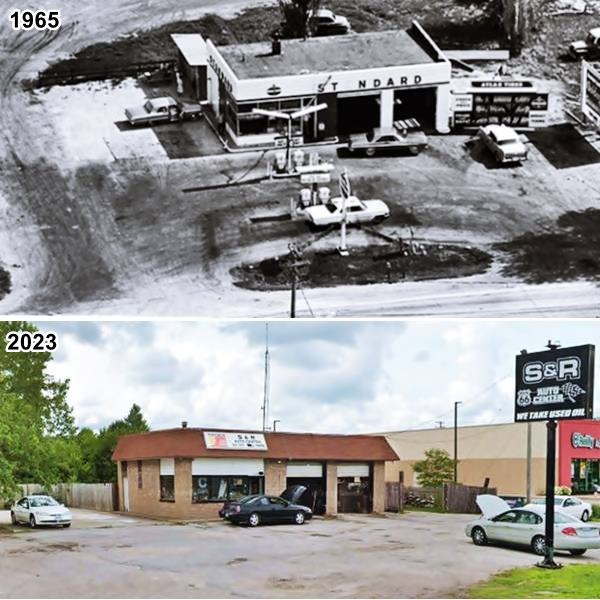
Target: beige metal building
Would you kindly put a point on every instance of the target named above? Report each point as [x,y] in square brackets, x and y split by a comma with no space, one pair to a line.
[495,451]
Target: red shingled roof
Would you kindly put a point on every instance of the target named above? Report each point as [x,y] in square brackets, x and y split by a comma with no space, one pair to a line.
[189,443]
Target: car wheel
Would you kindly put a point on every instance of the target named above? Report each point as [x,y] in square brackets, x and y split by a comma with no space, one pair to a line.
[299,518]
[254,520]
[32,522]
[13,518]
[577,552]
[378,219]
[478,536]
[65,525]
[370,151]
[585,516]
[538,545]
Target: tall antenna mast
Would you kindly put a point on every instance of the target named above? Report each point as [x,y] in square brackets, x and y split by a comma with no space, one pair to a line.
[265,406]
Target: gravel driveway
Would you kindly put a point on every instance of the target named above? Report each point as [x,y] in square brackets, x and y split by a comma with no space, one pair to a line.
[412,555]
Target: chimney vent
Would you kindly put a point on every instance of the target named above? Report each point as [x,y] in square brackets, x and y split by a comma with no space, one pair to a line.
[183,424]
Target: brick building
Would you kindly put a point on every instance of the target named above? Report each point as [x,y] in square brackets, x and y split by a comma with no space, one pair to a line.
[188,473]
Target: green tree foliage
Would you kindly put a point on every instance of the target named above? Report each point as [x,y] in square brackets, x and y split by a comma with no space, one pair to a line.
[97,449]
[36,422]
[435,469]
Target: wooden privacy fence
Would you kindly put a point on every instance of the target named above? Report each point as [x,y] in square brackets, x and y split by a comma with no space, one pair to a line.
[95,496]
[451,497]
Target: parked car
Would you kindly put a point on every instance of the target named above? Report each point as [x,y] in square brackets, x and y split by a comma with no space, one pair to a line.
[357,211]
[162,110]
[326,22]
[504,143]
[569,504]
[40,510]
[522,526]
[404,134]
[588,48]
[258,509]
[296,494]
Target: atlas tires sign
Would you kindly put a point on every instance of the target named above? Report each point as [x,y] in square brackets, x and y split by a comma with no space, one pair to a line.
[555,384]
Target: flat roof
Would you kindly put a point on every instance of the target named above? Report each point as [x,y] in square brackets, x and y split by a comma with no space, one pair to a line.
[325,54]
[192,46]
[189,443]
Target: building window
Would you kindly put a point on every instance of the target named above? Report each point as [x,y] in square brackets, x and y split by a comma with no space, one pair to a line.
[217,488]
[139,474]
[167,480]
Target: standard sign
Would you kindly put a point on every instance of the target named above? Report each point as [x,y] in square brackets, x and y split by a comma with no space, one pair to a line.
[226,440]
[555,384]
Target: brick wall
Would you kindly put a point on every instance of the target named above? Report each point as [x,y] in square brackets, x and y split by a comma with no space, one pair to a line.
[275,477]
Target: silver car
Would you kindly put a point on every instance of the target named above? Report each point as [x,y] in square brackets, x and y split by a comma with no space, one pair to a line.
[526,526]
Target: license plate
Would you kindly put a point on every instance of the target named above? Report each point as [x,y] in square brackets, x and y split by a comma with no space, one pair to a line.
[589,532]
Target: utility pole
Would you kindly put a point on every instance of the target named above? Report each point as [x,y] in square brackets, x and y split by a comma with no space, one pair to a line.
[265,406]
[528,464]
[456,441]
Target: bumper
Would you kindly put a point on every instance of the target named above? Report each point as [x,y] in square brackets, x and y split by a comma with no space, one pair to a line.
[568,542]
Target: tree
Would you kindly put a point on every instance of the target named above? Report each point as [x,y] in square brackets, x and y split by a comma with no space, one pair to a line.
[36,422]
[296,16]
[435,469]
[106,470]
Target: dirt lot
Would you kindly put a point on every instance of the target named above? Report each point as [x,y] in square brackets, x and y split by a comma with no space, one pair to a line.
[415,555]
[97,220]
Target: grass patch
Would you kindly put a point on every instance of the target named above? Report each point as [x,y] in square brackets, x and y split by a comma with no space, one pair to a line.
[573,581]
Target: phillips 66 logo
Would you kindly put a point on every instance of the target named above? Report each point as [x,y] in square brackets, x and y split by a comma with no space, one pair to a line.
[556,384]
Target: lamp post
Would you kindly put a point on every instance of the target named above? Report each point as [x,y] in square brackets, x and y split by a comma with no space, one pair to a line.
[289,117]
[456,441]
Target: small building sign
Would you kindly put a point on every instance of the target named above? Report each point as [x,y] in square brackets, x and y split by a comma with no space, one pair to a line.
[225,440]
[555,384]
[590,92]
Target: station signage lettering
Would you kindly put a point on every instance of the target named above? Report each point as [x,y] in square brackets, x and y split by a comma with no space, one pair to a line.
[220,73]
[584,440]
[374,83]
[555,384]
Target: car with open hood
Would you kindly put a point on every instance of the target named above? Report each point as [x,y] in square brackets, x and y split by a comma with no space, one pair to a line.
[39,510]
[499,523]
[259,509]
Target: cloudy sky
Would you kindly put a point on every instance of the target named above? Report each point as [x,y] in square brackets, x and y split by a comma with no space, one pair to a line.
[325,377]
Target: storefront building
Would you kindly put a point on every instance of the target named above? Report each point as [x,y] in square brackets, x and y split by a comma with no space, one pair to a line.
[188,473]
[500,453]
[364,80]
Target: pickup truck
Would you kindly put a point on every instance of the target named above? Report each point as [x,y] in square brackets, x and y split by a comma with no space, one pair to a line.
[162,110]
[357,211]
[588,48]
[404,134]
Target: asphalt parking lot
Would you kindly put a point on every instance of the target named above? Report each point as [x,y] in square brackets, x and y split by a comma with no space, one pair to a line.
[106,556]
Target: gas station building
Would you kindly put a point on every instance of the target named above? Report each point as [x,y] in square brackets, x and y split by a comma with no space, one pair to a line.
[366,80]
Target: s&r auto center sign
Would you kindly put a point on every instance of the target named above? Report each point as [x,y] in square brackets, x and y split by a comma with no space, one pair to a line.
[555,384]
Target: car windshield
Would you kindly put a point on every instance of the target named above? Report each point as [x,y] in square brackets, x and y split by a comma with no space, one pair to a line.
[557,501]
[42,501]
[507,141]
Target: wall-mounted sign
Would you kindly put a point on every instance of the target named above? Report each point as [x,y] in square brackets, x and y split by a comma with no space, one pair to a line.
[584,440]
[590,92]
[226,440]
[555,384]
[503,83]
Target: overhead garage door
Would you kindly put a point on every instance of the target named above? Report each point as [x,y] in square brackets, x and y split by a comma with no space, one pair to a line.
[306,469]
[353,470]
[252,467]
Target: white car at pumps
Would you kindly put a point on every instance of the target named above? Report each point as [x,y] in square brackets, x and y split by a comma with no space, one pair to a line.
[569,504]
[357,211]
[525,526]
[40,510]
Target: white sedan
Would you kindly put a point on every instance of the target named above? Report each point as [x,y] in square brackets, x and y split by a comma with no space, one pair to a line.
[357,211]
[40,510]
[504,143]
[500,523]
[569,504]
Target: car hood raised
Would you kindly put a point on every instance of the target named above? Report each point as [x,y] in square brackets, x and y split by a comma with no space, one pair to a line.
[491,505]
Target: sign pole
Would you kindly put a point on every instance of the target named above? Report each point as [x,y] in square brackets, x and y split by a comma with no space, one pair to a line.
[548,562]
